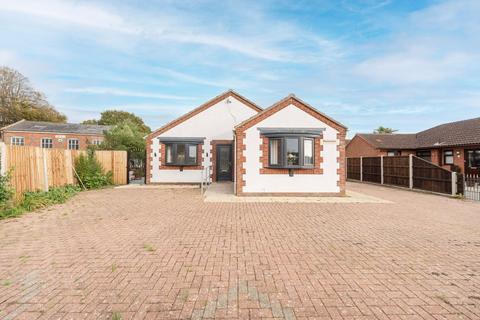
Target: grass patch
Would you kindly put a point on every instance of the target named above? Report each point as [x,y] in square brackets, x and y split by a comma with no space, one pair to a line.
[114,267]
[6,283]
[38,200]
[148,247]
[116,316]
[184,295]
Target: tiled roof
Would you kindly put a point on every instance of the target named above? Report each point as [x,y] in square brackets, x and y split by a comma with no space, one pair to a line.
[457,133]
[39,126]
[390,141]
[451,134]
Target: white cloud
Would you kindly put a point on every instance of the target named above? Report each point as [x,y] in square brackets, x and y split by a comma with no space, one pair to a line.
[126,93]
[414,67]
[271,44]
[438,44]
[6,57]
[82,14]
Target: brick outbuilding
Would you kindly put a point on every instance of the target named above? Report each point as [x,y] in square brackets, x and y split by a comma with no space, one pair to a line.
[53,135]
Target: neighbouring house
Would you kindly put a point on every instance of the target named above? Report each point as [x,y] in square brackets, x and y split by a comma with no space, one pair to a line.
[71,136]
[454,145]
[289,148]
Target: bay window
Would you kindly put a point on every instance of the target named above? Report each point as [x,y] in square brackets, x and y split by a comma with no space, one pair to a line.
[291,152]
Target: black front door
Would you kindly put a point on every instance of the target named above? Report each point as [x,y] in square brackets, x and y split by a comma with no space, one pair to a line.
[472,161]
[224,162]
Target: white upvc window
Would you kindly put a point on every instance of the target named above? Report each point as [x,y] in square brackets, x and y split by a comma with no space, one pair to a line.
[96,142]
[17,141]
[47,143]
[73,144]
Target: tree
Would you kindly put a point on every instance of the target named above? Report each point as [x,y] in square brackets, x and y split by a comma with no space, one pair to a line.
[18,100]
[116,117]
[126,136]
[384,130]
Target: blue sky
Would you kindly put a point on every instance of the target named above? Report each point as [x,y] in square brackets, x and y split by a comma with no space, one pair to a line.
[402,64]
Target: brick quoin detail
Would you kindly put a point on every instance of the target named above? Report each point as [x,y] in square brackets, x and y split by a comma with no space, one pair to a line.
[291,100]
[240,160]
[213,154]
[341,171]
[149,163]
[318,160]
[163,166]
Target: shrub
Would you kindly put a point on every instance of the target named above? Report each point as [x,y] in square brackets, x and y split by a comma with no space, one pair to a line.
[37,200]
[6,191]
[41,199]
[90,171]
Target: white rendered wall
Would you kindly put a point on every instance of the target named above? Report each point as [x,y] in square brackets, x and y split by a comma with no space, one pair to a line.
[214,123]
[292,117]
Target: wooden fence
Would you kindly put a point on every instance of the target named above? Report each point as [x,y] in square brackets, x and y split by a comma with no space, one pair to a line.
[34,168]
[403,171]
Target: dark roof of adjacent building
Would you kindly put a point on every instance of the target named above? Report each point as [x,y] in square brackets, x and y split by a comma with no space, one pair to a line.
[52,127]
[465,132]
[390,141]
[451,134]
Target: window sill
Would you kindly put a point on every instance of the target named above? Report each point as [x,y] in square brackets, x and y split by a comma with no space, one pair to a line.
[181,164]
[291,167]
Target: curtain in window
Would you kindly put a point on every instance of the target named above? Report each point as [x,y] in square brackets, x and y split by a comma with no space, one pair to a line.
[274,151]
[308,152]
[169,153]
[192,153]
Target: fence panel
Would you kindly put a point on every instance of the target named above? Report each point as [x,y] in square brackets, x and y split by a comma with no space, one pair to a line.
[396,171]
[429,177]
[372,170]
[34,168]
[353,168]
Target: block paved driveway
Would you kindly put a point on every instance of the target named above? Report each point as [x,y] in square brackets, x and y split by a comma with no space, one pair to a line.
[164,254]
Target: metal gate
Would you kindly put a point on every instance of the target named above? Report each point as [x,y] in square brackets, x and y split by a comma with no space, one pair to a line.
[472,187]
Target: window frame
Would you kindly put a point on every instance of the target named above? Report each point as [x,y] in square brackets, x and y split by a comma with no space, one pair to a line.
[425,151]
[73,139]
[283,162]
[14,138]
[174,148]
[450,155]
[471,154]
[96,142]
[396,153]
[42,145]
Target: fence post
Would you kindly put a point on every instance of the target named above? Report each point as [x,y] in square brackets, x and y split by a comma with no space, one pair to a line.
[45,168]
[410,171]
[454,183]
[3,158]
[381,169]
[361,168]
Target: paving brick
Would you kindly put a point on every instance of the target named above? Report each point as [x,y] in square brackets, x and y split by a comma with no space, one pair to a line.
[165,254]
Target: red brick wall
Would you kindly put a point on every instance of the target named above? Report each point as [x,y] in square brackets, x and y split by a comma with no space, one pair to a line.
[35,138]
[358,147]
